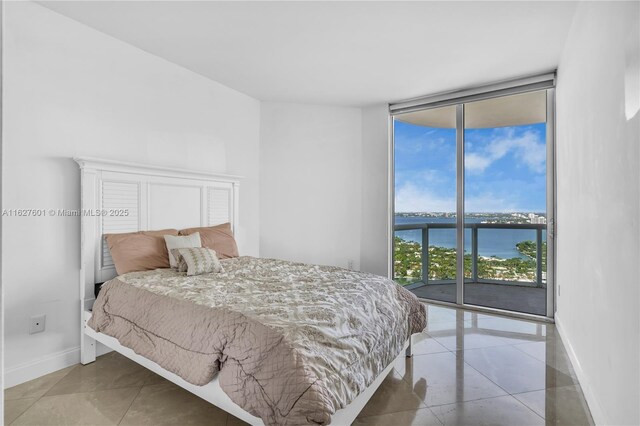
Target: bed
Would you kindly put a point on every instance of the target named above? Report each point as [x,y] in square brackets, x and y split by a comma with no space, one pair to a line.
[270,341]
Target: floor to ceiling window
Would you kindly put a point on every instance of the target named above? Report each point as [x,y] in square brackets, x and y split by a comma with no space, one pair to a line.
[425,194]
[473,186]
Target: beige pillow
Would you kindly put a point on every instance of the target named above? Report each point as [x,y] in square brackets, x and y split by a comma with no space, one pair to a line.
[174,242]
[139,251]
[197,260]
[218,238]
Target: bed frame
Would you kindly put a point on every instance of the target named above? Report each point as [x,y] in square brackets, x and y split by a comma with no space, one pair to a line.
[156,197]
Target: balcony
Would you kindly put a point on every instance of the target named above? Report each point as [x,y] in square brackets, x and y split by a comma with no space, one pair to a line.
[517,283]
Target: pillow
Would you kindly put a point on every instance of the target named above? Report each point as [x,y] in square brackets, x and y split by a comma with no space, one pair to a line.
[139,251]
[174,242]
[181,265]
[198,260]
[218,238]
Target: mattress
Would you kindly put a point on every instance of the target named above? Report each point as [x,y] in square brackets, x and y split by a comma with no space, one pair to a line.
[291,343]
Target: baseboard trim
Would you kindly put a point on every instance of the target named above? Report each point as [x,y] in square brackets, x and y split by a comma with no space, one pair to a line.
[47,364]
[39,367]
[587,388]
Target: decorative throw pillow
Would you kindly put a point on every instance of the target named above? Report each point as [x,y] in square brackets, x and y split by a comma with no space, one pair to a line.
[218,238]
[181,265]
[174,242]
[198,260]
[139,251]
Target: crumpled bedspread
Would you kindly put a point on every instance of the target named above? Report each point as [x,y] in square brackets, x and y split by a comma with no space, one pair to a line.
[291,342]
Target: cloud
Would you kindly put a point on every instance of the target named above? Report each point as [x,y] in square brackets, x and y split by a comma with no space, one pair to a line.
[528,148]
[476,162]
[422,143]
[411,198]
[422,177]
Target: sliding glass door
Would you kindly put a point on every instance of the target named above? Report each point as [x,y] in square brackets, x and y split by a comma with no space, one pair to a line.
[473,197]
[505,202]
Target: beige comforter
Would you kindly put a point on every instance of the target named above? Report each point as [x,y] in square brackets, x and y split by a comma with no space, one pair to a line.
[292,342]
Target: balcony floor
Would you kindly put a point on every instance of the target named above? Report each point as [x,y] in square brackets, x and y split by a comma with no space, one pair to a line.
[531,300]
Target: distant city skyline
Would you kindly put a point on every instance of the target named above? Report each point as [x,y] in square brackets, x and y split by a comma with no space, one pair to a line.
[484,217]
[505,169]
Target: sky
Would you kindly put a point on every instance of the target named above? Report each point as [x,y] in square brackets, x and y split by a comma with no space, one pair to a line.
[505,169]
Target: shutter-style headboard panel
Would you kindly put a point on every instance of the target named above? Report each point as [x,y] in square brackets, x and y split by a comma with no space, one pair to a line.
[220,205]
[121,197]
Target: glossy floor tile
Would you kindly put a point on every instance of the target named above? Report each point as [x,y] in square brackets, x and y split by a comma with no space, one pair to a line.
[500,411]
[468,368]
[558,406]
[437,314]
[508,368]
[445,378]
[168,404]
[112,372]
[419,417]
[551,352]
[468,338]
[15,407]
[508,330]
[38,387]
[424,344]
[394,395]
[104,407]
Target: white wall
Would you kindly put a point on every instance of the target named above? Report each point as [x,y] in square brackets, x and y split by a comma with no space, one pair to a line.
[310,177]
[598,251]
[72,91]
[374,242]
[1,220]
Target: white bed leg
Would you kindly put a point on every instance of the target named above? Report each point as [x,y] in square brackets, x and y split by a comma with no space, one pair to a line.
[409,351]
[87,349]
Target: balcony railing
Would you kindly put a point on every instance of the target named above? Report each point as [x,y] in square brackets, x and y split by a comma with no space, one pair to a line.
[474,278]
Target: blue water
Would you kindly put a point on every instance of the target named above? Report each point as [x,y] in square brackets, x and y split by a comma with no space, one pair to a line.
[491,242]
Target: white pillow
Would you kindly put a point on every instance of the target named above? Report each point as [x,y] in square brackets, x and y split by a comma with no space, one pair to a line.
[186,241]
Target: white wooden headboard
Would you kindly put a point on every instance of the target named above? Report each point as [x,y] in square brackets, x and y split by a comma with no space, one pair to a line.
[125,197]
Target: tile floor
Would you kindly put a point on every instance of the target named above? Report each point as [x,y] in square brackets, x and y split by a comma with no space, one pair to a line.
[467,369]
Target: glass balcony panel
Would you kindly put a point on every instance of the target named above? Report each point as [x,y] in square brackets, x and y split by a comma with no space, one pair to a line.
[407,259]
[507,255]
[442,255]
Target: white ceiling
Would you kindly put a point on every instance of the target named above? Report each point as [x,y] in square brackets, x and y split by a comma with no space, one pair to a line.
[340,53]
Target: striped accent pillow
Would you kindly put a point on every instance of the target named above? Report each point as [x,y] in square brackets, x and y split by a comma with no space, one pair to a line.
[197,260]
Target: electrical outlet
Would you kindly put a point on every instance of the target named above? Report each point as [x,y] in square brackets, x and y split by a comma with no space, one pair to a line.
[37,324]
[350,264]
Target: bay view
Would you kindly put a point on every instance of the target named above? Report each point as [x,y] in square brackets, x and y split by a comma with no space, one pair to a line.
[506,246]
